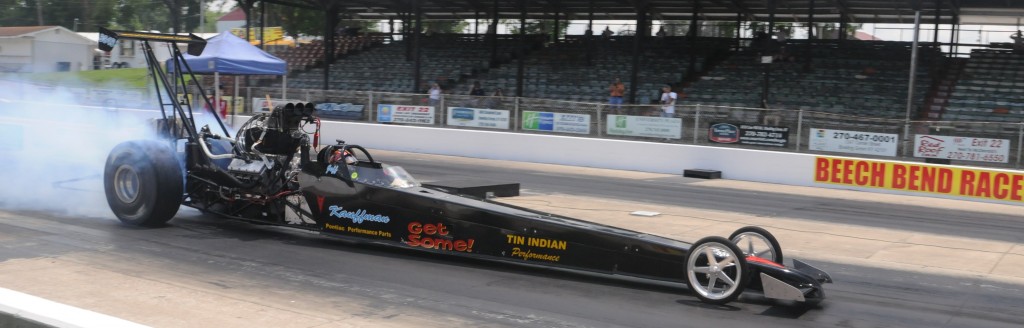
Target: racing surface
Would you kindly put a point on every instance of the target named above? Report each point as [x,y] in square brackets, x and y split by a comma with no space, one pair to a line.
[205,271]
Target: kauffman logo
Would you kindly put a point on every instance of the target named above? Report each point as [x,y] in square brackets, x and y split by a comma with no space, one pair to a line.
[358,216]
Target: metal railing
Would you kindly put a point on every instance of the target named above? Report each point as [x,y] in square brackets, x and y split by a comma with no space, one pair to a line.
[785,130]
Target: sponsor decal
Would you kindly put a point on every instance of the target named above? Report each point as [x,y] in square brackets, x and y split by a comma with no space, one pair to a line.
[463,114]
[384,113]
[924,178]
[479,117]
[928,146]
[645,126]
[556,122]
[436,236]
[528,255]
[359,216]
[332,169]
[405,114]
[854,142]
[962,148]
[747,134]
[537,242]
[357,230]
[723,133]
[320,202]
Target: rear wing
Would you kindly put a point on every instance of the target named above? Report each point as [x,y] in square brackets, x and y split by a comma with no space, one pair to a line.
[109,38]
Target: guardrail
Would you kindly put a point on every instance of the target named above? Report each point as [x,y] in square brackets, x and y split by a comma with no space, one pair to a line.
[986,144]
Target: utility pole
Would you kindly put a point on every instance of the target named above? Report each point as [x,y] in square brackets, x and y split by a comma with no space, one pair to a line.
[39,12]
[202,16]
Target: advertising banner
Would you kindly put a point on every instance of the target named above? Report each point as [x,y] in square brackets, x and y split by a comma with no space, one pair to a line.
[340,110]
[962,148]
[925,178]
[854,142]
[479,117]
[405,114]
[260,105]
[645,126]
[556,122]
[748,134]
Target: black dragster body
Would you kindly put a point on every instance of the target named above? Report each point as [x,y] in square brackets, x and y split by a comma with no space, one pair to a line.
[271,172]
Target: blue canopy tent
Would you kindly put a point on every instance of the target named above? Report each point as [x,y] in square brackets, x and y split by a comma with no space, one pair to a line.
[228,54]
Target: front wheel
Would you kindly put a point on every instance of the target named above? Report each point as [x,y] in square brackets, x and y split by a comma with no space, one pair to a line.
[758,242]
[716,270]
[143,183]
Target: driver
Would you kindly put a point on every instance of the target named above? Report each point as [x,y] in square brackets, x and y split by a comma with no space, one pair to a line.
[340,154]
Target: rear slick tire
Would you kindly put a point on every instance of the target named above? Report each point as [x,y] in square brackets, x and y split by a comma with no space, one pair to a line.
[143,183]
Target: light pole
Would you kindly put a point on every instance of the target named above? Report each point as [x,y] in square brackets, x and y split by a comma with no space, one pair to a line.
[202,16]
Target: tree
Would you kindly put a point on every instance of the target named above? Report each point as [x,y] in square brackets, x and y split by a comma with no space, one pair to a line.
[296,21]
[183,14]
[445,26]
[535,26]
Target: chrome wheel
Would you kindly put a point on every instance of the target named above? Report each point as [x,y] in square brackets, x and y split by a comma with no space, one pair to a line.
[715,271]
[756,241]
[126,184]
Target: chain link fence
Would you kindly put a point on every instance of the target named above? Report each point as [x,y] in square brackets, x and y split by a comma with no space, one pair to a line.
[989,144]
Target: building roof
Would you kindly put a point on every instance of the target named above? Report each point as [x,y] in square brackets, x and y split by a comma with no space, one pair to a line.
[16,31]
[232,16]
[856,11]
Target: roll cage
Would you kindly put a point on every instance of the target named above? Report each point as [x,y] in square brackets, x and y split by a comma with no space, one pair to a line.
[181,121]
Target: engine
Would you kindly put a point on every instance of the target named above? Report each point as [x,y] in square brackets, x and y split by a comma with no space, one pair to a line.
[258,167]
[267,146]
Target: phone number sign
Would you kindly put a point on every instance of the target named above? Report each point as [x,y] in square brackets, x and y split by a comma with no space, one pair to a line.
[748,134]
[962,148]
[405,114]
[645,126]
[556,122]
[854,142]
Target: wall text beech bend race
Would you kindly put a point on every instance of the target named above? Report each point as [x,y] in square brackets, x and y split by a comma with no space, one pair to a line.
[937,179]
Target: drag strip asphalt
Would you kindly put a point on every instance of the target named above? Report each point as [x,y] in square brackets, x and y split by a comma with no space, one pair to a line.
[227,273]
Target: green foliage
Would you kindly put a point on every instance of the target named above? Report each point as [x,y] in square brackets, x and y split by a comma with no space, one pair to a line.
[536,26]
[445,26]
[296,21]
[127,77]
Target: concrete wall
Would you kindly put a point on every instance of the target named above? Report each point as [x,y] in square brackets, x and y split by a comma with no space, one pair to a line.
[737,164]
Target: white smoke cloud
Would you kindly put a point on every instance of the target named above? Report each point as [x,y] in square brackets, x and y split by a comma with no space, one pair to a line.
[54,142]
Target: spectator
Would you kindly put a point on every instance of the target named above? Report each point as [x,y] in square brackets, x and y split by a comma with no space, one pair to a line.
[1018,41]
[435,95]
[615,91]
[668,102]
[661,32]
[607,32]
[477,90]
[495,101]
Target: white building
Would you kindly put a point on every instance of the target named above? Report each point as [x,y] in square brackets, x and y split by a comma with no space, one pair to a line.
[41,49]
[233,19]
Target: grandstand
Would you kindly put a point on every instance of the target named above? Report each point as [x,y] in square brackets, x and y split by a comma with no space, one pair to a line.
[990,88]
[862,77]
[382,66]
[844,77]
